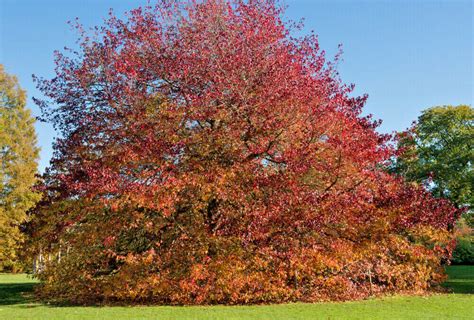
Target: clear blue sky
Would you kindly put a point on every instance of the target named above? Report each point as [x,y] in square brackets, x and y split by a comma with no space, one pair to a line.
[407,55]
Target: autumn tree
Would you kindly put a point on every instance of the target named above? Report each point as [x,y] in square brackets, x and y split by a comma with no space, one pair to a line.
[208,156]
[18,167]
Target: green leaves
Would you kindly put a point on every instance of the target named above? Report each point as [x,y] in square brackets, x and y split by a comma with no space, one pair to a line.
[439,152]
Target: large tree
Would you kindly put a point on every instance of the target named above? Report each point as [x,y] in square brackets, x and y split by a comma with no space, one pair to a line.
[438,151]
[18,167]
[208,156]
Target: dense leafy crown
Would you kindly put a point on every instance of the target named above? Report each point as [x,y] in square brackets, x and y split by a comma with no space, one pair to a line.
[438,151]
[207,156]
[18,155]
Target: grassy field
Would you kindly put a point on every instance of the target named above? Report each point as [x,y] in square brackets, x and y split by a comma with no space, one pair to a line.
[16,303]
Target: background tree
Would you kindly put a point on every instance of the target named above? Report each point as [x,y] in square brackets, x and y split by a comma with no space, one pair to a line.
[18,167]
[207,156]
[438,152]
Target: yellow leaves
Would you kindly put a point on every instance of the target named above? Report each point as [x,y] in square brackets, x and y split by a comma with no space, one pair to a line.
[18,168]
[428,235]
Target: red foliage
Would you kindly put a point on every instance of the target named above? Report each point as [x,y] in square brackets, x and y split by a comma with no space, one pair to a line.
[207,156]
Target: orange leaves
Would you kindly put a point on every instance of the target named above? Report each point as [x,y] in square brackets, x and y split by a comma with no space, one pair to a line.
[208,157]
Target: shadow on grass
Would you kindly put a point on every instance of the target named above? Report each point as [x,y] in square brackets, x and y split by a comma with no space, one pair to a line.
[461,279]
[16,293]
[460,287]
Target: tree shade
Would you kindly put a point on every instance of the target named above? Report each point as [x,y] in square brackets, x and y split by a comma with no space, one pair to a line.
[208,156]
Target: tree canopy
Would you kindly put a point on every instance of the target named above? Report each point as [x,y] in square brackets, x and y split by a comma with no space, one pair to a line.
[209,156]
[438,151]
[18,167]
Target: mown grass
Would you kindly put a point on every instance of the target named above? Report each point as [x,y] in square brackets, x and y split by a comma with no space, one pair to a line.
[461,279]
[16,302]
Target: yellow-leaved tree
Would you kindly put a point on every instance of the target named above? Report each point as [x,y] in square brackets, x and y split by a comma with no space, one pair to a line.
[18,168]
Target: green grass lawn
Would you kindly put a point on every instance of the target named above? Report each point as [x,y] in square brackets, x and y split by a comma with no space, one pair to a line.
[16,303]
